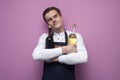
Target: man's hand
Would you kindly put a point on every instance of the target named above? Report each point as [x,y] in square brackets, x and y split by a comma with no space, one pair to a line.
[69,49]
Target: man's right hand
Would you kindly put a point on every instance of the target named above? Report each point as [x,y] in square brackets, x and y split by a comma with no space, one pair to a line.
[69,49]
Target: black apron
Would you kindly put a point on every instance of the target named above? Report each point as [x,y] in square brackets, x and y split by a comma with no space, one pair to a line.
[56,70]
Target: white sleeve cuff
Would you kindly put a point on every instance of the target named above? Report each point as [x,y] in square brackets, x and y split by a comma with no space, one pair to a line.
[61,59]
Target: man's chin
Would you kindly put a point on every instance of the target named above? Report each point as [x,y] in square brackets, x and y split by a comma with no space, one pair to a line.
[57,27]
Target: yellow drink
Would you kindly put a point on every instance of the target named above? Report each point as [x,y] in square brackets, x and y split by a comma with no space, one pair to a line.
[72,41]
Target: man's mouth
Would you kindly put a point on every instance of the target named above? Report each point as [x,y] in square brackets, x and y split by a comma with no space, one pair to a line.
[55,24]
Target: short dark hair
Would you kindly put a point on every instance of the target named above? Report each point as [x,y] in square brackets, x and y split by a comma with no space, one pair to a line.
[49,9]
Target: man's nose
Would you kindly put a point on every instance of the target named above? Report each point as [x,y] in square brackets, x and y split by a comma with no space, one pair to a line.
[54,20]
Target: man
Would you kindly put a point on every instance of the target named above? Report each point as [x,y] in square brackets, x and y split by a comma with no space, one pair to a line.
[59,62]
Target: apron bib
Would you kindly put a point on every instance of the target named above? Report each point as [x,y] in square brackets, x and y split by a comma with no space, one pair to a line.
[56,70]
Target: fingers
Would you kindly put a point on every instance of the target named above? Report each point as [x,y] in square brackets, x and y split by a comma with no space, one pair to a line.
[72,48]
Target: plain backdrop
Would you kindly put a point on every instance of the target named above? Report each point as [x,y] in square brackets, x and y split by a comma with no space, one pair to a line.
[21,25]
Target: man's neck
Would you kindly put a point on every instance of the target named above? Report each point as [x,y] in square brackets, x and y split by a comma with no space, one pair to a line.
[59,30]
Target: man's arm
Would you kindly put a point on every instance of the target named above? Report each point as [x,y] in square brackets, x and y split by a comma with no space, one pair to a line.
[65,50]
[40,53]
[74,58]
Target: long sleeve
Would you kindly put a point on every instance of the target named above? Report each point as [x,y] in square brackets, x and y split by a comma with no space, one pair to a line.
[40,53]
[75,58]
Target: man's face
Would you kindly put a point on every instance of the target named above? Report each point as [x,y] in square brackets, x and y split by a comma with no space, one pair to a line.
[54,20]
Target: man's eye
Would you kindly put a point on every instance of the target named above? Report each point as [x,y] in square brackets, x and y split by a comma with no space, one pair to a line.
[55,16]
[49,20]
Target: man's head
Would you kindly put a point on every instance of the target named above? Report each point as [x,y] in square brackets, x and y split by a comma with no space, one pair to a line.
[52,16]
[49,9]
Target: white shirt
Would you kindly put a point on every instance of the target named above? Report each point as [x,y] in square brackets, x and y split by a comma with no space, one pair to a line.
[40,53]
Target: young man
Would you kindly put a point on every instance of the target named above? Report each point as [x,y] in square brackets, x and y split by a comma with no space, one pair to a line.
[59,62]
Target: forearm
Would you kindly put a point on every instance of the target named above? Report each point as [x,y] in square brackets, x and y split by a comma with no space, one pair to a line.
[73,58]
[46,54]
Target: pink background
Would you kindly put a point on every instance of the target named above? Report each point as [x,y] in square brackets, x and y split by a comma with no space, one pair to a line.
[21,24]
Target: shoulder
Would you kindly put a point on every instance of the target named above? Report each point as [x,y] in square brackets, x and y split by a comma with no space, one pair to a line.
[43,36]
